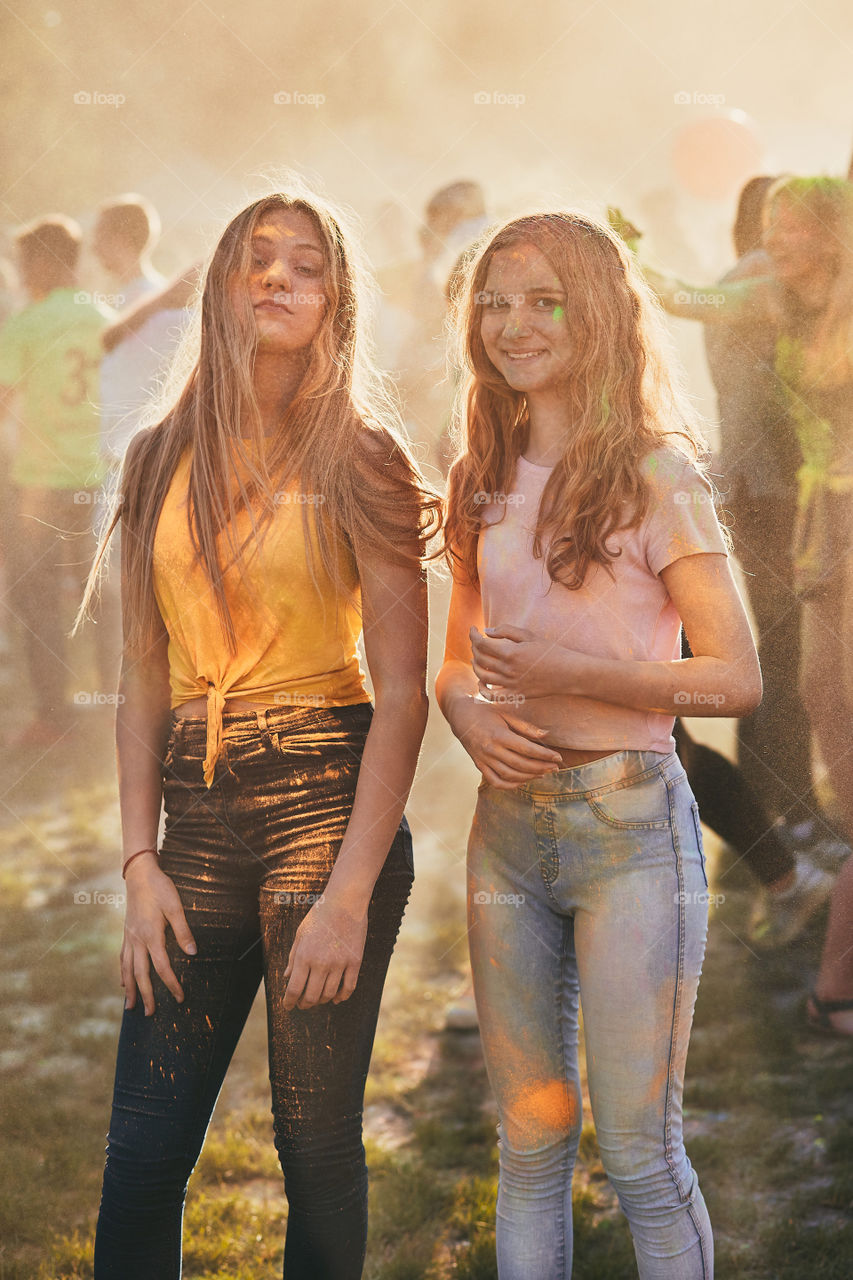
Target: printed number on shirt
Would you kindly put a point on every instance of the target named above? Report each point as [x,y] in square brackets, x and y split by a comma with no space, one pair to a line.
[82,367]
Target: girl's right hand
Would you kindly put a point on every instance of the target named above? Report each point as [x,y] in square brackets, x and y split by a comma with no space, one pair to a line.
[505,748]
[152,902]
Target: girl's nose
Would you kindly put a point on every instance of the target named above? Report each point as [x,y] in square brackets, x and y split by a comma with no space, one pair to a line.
[516,324]
[277,276]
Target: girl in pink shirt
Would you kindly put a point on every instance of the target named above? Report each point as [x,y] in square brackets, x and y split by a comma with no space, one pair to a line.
[582,533]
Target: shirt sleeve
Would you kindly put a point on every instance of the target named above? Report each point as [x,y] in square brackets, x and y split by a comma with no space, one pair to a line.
[11,350]
[681,520]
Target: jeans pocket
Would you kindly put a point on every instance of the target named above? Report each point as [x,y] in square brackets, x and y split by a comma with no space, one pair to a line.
[694,809]
[635,806]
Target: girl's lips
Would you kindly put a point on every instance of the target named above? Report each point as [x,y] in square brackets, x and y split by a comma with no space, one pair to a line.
[523,355]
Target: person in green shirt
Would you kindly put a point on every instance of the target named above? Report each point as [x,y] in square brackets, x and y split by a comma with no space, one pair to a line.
[50,353]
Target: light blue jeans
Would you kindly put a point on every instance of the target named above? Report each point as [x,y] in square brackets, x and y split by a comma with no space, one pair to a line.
[589,885]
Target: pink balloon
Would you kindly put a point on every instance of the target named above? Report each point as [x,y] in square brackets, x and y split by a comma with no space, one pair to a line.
[714,157]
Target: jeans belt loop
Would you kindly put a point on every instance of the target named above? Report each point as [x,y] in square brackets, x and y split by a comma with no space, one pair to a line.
[264,727]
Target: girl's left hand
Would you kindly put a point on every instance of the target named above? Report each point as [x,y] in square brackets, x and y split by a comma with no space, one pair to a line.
[513,660]
[326,955]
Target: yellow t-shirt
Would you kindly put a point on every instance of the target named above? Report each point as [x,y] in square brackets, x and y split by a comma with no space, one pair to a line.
[296,641]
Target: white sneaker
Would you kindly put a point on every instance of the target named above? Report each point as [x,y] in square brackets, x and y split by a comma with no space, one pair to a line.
[829,854]
[779,918]
[827,850]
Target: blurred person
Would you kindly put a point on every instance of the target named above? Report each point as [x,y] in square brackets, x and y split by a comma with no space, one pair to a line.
[175,295]
[801,308]
[272,511]
[829,1007]
[454,216]
[49,356]
[803,300]
[792,889]
[808,300]
[759,458]
[125,233]
[581,533]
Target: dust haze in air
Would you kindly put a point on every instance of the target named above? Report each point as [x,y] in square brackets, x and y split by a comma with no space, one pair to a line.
[379,103]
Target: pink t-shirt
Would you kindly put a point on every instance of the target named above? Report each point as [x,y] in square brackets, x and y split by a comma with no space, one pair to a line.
[624,614]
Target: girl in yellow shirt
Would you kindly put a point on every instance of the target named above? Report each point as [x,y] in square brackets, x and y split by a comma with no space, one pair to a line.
[273,512]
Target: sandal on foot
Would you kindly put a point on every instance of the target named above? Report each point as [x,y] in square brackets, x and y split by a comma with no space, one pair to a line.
[818,1015]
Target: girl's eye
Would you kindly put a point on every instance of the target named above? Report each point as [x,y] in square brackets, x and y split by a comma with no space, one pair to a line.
[308,270]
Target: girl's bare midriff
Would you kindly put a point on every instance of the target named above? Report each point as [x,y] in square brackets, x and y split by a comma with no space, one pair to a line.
[198,706]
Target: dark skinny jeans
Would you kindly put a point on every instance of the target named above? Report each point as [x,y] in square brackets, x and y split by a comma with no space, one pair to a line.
[247,855]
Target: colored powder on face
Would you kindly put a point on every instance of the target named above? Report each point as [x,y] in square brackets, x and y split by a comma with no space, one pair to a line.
[558,314]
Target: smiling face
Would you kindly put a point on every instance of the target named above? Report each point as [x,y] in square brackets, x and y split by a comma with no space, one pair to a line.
[523,320]
[285,283]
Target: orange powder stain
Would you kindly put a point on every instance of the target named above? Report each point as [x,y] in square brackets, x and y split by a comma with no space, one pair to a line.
[545,1105]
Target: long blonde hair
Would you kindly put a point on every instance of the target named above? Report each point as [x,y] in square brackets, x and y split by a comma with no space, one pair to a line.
[624,396]
[341,436]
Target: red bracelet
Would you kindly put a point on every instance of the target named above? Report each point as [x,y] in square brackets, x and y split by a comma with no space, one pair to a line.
[138,854]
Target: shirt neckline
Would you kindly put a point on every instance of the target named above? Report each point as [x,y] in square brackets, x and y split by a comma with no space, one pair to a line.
[533,466]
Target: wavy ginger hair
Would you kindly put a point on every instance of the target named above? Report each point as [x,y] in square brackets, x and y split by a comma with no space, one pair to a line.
[341,436]
[623,393]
